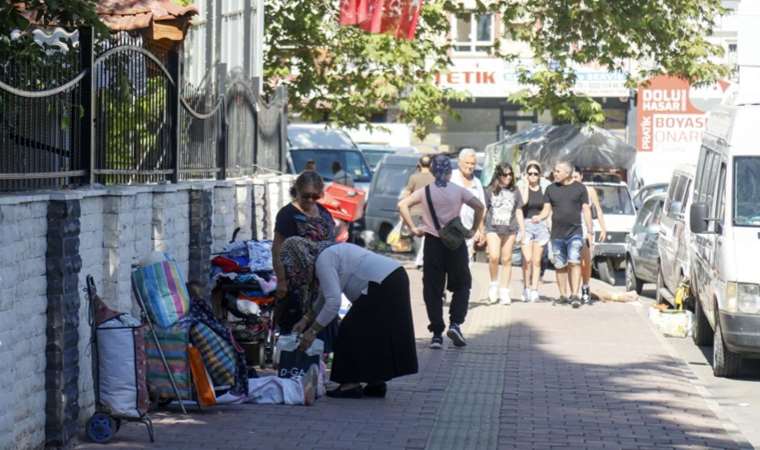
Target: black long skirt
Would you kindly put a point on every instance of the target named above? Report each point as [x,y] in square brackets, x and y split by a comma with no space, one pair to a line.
[376,338]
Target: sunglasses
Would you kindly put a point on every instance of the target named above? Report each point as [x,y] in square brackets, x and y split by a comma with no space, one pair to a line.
[314,197]
[532,174]
[508,174]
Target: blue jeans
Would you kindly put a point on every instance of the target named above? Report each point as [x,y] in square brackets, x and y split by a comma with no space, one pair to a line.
[567,251]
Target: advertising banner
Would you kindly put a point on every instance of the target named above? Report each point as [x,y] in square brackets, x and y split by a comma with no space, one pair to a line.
[671,114]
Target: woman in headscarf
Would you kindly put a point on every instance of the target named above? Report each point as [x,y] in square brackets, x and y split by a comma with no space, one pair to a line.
[443,200]
[375,340]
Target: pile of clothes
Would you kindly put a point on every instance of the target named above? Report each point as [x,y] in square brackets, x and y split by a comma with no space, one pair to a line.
[243,278]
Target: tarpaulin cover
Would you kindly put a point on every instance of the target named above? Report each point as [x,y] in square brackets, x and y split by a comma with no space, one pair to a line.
[587,146]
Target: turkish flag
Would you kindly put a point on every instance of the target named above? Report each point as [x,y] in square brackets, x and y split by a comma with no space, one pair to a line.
[397,17]
[354,12]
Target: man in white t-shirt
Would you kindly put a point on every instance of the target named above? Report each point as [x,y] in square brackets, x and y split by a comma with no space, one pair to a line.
[442,266]
[465,177]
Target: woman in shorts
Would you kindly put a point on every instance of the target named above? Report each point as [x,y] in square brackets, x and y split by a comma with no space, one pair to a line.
[504,220]
[536,235]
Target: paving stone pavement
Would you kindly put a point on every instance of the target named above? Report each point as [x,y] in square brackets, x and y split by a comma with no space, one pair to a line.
[533,376]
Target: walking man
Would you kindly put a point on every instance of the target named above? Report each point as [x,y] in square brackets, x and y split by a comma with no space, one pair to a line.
[443,267]
[465,177]
[567,201]
[418,180]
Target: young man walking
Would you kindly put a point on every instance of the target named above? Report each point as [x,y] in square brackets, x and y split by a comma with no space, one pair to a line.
[418,180]
[567,201]
[442,266]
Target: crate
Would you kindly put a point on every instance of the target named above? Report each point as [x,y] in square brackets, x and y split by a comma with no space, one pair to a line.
[343,202]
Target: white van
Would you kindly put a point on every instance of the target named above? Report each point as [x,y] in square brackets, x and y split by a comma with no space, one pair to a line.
[725,243]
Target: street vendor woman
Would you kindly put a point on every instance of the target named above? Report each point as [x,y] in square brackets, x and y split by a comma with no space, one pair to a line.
[375,340]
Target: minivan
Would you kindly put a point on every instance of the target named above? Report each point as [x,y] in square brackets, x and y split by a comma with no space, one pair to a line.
[325,145]
[725,228]
[674,235]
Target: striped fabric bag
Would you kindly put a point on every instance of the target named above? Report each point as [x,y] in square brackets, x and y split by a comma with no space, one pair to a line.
[162,288]
[174,342]
[218,355]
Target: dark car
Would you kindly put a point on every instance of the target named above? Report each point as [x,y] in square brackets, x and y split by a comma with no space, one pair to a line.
[641,245]
[374,153]
[648,190]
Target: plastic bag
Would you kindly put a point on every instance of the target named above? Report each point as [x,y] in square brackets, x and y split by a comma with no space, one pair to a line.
[292,362]
[395,235]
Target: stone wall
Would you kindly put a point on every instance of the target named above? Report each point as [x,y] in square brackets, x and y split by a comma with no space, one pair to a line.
[23,305]
[115,228]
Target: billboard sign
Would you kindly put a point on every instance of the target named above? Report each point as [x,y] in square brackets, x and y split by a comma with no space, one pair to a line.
[672,115]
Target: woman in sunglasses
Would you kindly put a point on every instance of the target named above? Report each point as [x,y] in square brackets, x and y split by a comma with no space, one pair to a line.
[536,235]
[306,218]
[504,219]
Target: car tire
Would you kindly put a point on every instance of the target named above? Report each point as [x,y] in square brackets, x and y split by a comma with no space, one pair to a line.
[725,362]
[702,333]
[631,282]
[606,269]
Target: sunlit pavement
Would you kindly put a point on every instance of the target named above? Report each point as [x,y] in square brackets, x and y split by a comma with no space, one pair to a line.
[533,376]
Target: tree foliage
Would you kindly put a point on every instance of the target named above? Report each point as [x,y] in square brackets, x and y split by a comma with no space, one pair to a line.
[18,49]
[344,75]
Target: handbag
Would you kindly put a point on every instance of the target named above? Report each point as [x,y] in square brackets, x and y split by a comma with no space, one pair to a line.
[453,234]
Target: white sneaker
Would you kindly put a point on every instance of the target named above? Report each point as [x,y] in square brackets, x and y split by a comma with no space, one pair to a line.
[534,297]
[525,297]
[504,298]
[493,292]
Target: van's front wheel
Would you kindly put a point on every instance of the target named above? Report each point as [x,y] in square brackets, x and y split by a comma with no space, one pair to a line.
[725,362]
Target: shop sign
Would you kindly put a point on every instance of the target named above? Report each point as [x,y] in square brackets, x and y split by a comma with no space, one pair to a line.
[671,114]
[494,77]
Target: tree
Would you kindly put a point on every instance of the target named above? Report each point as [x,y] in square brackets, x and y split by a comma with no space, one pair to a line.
[19,51]
[343,75]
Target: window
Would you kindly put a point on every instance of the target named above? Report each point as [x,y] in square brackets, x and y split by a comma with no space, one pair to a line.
[643,217]
[392,179]
[720,199]
[473,33]
[746,191]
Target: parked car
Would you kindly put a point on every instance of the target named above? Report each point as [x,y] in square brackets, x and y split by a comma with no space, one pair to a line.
[619,216]
[641,245]
[674,235]
[724,222]
[374,153]
[325,145]
[647,191]
[388,181]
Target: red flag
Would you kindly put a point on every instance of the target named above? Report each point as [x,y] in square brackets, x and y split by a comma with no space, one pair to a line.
[398,17]
[353,12]
[409,18]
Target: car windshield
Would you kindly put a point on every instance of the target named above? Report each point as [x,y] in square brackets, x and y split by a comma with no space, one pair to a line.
[747,191]
[352,162]
[614,199]
[391,179]
[374,157]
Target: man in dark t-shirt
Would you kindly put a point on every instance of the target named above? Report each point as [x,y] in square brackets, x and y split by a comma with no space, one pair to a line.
[565,200]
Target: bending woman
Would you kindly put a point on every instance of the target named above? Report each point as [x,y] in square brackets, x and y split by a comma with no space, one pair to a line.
[376,338]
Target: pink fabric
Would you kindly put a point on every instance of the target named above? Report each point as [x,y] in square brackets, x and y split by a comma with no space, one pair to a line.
[170,277]
[448,202]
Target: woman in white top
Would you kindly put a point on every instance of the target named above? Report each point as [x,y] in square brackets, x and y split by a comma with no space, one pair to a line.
[375,340]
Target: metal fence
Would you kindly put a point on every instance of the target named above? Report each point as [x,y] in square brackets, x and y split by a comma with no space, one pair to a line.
[117,112]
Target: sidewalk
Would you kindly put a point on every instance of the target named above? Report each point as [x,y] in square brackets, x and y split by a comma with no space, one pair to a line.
[533,376]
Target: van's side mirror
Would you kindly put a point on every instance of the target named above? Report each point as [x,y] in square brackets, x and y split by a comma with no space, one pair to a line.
[698,218]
